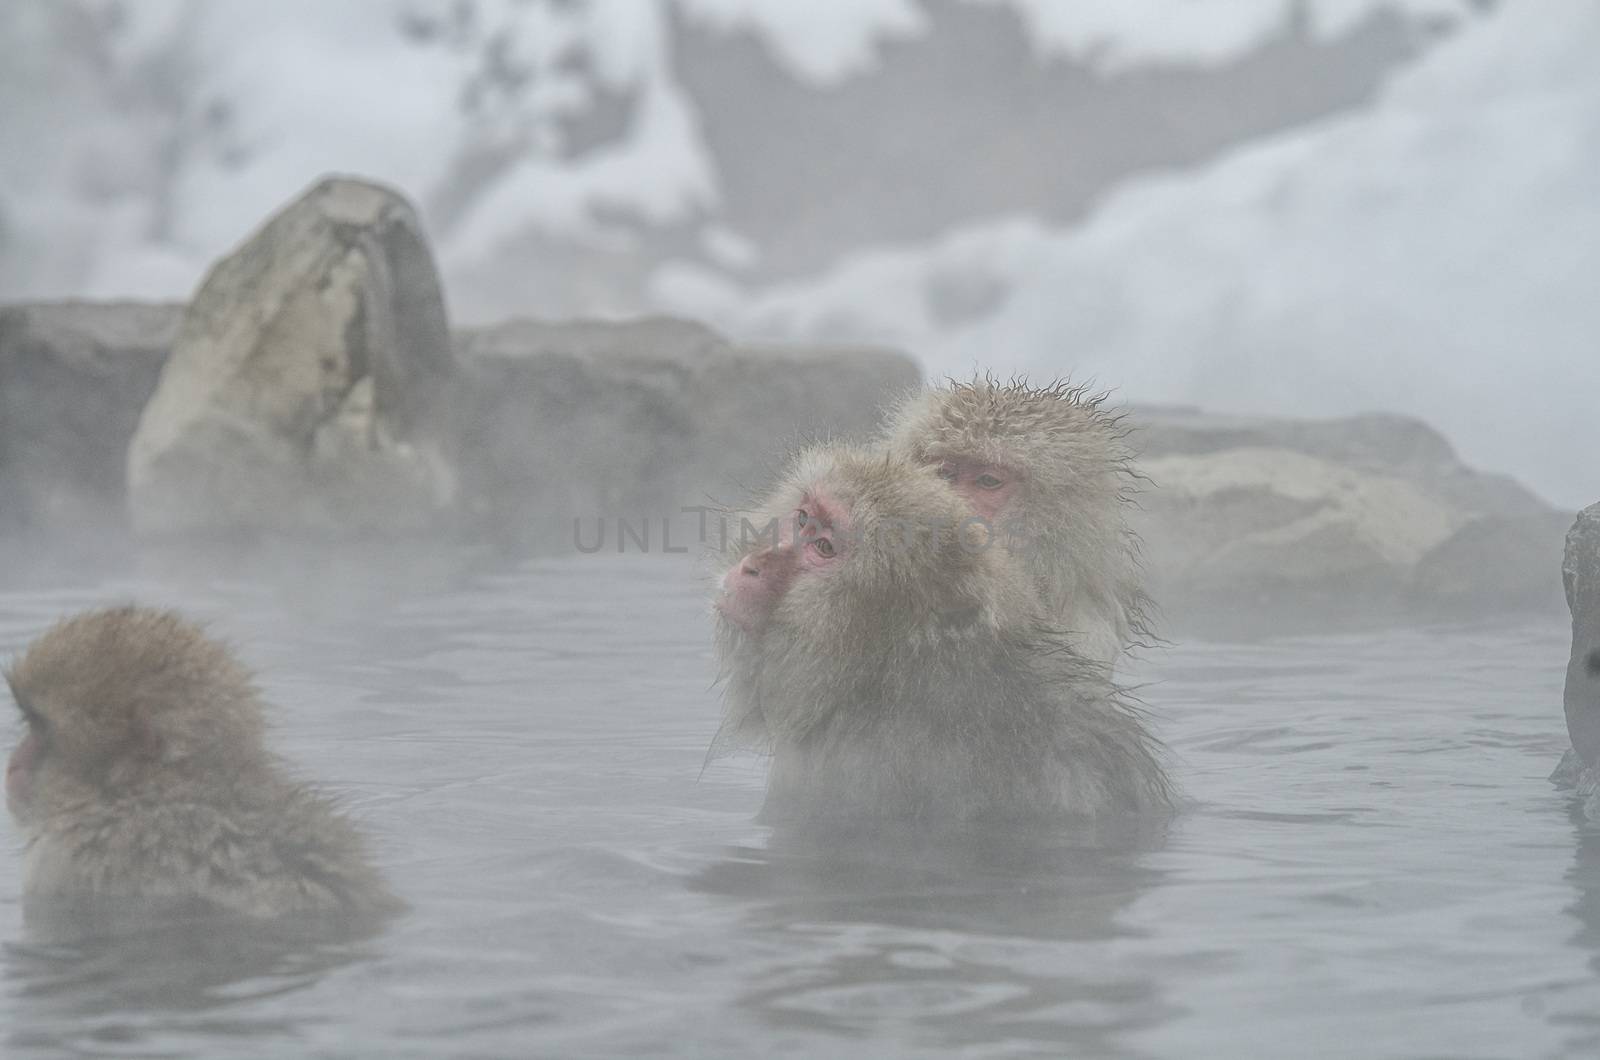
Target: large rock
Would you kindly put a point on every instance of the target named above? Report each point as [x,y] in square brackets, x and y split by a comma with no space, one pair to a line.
[308,387]
[638,420]
[1383,443]
[1493,564]
[1311,520]
[627,419]
[74,377]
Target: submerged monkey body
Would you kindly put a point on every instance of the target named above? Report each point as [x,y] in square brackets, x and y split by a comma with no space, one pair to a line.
[915,679]
[279,850]
[998,733]
[144,776]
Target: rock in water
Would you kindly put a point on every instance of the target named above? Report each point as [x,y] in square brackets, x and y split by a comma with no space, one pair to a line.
[1274,524]
[73,379]
[1580,573]
[308,387]
[633,420]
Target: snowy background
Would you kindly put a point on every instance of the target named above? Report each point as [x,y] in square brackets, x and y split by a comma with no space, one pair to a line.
[1300,207]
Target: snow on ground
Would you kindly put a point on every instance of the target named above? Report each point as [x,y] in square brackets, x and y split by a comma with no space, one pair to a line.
[144,140]
[1132,33]
[157,136]
[1437,255]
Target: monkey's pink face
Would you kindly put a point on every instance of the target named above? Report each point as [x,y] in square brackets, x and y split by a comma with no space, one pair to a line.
[988,488]
[810,542]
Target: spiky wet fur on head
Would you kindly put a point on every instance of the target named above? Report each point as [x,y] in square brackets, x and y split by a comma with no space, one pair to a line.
[1077,472]
[922,678]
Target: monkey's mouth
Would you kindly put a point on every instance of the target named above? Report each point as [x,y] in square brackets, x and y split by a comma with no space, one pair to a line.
[736,609]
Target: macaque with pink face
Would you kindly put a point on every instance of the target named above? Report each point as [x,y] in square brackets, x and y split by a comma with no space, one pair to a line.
[1049,469]
[142,774]
[898,664]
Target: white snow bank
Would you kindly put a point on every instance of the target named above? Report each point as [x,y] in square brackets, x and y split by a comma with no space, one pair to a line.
[128,173]
[1131,33]
[1438,255]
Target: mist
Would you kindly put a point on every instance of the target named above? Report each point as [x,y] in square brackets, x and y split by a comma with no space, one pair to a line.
[519,392]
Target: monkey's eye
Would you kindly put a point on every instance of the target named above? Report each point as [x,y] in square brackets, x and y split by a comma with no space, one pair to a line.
[990,482]
[824,548]
[946,472]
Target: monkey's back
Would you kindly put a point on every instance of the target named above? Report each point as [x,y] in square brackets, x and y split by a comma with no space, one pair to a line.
[262,846]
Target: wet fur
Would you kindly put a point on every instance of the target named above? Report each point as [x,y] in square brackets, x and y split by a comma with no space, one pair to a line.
[925,682]
[1078,479]
[156,783]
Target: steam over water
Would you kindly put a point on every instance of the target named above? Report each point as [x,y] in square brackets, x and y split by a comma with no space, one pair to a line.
[1373,864]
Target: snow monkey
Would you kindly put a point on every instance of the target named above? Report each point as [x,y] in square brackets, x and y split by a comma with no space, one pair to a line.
[143,774]
[1048,469]
[898,665]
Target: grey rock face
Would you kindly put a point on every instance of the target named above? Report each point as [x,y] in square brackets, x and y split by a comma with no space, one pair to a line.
[1580,574]
[1348,519]
[547,421]
[308,386]
[638,420]
[1493,563]
[74,377]
[1384,443]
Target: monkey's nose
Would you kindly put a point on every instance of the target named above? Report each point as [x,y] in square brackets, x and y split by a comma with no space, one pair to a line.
[752,565]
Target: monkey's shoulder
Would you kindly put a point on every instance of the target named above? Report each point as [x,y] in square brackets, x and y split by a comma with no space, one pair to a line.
[273,849]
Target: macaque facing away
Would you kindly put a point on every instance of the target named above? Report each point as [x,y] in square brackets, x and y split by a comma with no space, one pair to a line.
[898,665]
[1049,469]
[143,775]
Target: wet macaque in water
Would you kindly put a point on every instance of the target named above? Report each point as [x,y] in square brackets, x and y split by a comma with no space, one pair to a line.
[1048,469]
[143,774]
[898,665]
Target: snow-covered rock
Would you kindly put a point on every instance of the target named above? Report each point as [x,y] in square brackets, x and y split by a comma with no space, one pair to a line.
[560,151]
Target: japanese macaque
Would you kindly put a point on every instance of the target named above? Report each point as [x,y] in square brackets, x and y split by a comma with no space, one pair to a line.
[143,774]
[1049,469]
[898,664]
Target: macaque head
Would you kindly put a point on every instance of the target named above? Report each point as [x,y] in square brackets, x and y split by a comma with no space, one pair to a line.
[1044,454]
[114,698]
[858,545]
